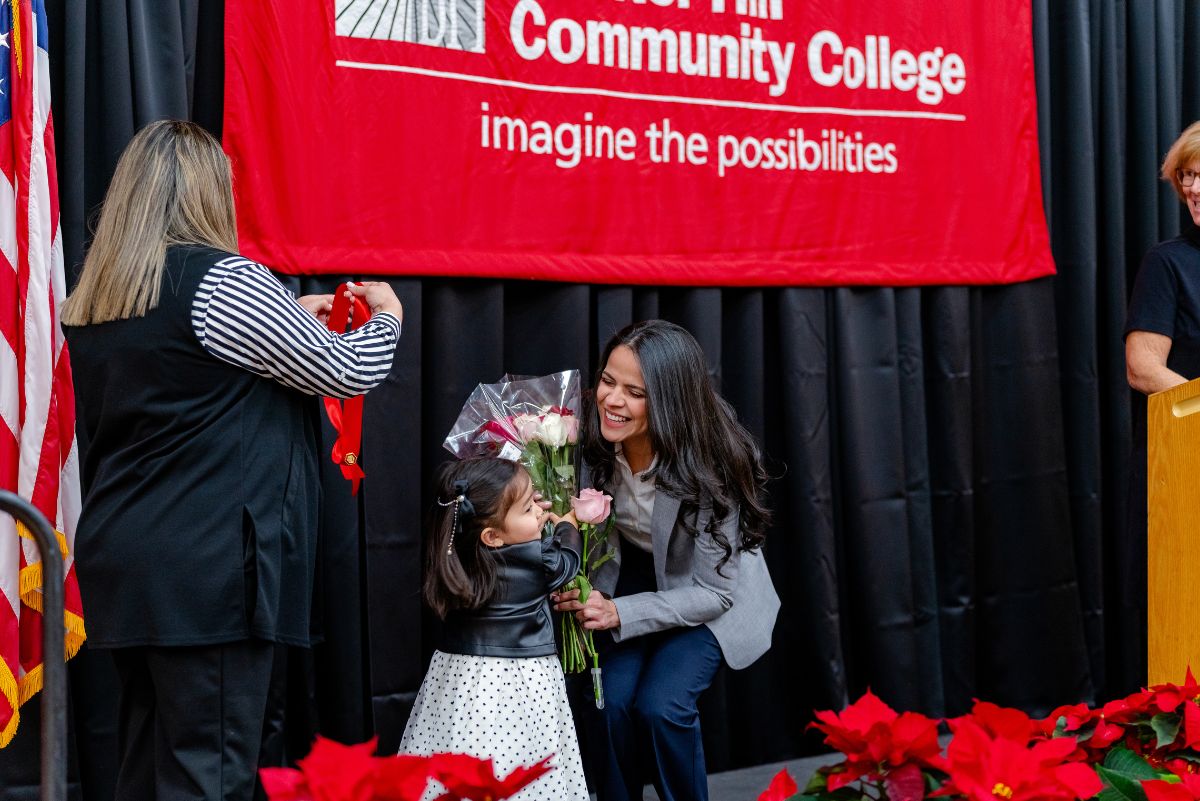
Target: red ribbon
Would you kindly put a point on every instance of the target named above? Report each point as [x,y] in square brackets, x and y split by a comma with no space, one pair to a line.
[347,419]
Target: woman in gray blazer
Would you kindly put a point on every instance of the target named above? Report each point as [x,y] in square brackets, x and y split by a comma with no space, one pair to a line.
[688,588]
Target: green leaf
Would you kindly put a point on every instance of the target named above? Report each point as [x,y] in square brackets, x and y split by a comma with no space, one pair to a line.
[1126,786]
[600,561]
[565,471]
[1109,794]
[817,783]
[1166,726]
[585,588]
[1122,760]
[847,794]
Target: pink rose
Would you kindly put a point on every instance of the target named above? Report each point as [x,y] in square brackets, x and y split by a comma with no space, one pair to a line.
[572,424]
[592,506]
[526,426]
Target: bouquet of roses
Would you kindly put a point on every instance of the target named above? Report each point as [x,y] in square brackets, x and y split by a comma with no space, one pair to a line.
[531,420]
[536,421]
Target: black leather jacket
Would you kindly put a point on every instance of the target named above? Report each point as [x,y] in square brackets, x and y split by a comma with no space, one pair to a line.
[516,622]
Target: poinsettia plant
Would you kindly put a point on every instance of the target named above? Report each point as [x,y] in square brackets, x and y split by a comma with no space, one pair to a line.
[1144,747]
[336,772]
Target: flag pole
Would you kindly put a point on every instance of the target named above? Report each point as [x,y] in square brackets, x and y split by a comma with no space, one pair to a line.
[54,686]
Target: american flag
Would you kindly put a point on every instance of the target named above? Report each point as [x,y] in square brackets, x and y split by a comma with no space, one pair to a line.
[38,454]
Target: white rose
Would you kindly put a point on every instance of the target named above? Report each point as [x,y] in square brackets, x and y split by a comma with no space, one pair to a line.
[552,431]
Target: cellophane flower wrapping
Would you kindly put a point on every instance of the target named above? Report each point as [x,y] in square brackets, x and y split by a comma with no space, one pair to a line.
[533,420]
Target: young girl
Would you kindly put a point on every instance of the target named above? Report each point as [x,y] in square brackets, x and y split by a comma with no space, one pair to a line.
[494,686]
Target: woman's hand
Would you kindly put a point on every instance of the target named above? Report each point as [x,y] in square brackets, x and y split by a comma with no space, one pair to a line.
[318,306]
[597,614]
[380,297]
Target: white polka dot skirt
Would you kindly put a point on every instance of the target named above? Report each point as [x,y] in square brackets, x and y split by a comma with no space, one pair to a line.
[512,710]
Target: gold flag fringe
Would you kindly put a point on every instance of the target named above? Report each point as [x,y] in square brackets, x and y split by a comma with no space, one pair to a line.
[16,30]
[8,688]
[15,692]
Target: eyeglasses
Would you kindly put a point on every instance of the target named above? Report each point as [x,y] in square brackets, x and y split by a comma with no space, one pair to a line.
[1186,177]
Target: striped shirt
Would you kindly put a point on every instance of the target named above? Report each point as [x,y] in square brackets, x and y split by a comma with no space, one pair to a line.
[242,315]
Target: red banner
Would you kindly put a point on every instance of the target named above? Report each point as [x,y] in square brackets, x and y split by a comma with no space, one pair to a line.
[724,142]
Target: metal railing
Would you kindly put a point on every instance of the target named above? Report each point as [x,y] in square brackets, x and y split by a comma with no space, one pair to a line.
[54,667]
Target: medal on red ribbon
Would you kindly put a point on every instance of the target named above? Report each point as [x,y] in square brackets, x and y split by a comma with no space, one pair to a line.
[346,416]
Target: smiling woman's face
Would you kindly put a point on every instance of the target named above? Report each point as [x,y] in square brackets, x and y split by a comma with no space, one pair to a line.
[621,399]
[1191,194]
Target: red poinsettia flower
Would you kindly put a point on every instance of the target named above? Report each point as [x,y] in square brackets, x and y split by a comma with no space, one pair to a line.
[1188,789]
[986,768]
[401,778]
[336,772]
[781,788]
[1074,717]
[284,784]
[1124,710]
[1181,767]
[1105,734]
[875,740]
[905,783]
[1191,724]
[1000,721]
[1168,697]
[468,777]
[1095,733]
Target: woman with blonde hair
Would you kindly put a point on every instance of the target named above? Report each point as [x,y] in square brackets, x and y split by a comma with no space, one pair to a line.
[1162,350]
[194,372]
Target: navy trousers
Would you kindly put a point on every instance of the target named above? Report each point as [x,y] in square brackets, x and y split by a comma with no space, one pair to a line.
[650,727]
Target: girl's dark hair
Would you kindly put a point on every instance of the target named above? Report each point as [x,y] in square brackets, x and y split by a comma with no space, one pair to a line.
[705,456]
[460,570]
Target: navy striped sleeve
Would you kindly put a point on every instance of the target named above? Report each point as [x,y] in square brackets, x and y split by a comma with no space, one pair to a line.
[242,315]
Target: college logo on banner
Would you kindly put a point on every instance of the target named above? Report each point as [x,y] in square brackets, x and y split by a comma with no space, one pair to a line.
[723,142]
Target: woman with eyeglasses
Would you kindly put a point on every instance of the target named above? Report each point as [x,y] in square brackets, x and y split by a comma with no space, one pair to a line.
[1162,333]
[1162,350]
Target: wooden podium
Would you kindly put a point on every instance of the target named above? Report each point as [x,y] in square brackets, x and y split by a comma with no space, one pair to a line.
[1173,531]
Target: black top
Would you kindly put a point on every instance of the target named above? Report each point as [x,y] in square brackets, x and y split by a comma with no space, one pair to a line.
[200,478]
[516,622]
[1166,299]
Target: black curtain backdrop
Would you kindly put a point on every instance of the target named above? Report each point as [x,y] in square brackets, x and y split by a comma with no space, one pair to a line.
[950,511]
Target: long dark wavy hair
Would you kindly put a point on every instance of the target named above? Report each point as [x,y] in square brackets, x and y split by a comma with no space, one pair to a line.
[460,570]
[706,458]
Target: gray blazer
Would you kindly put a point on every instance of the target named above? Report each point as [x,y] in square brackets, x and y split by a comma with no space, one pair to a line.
[738,604]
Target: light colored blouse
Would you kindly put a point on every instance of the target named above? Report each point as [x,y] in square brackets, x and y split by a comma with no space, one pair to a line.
[633,503]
